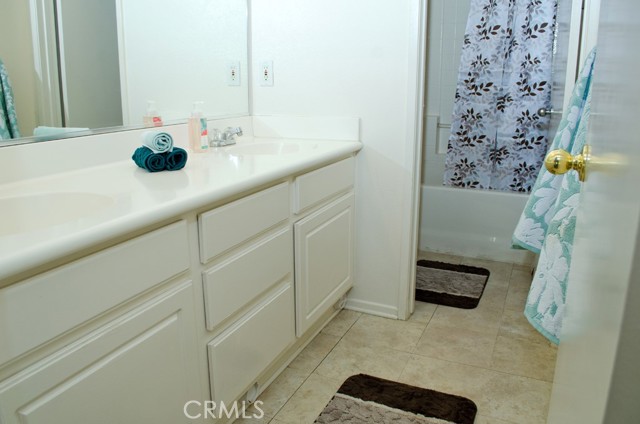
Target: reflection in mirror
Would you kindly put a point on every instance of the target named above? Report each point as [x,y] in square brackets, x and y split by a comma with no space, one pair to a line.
[76,65]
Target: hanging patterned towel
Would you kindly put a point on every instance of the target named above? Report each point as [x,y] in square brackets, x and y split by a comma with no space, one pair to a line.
[548,221]
[8,118]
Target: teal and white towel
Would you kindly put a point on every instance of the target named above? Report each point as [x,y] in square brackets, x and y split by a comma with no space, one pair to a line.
[548,221]
[157,141]
[8,118]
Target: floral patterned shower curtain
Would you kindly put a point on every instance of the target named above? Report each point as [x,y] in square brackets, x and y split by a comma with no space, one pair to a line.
[497,140]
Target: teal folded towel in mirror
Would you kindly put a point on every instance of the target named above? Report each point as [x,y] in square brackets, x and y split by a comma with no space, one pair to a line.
[176,159]
[155,162]
[146,159]
[43,133]
[157,141]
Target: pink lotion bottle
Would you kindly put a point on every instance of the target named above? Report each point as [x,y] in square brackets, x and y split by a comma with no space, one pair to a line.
[197,127]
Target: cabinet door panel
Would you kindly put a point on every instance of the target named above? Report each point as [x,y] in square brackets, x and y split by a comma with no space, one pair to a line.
[323,260]
[139,368]
[241,353]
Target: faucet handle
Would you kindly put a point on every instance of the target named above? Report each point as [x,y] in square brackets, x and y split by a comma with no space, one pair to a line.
[234,130]
[214,135]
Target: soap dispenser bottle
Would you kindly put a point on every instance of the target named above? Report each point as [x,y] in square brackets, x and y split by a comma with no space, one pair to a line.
[152,118]
[197,127]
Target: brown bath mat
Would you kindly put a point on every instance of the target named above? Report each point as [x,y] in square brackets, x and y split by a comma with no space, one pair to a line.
[460,286]
[363,399]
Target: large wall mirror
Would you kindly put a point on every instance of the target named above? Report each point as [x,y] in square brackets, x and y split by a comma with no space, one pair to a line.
[95,64]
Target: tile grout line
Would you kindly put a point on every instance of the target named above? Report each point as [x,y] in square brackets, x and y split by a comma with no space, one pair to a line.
[316,367]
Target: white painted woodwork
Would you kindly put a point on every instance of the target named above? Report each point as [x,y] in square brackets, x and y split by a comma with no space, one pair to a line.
[324,250]
[597,374]
[240,280]
[245,349]
[322,184]
[139,368]
[143,364]
[230,225]
[43,307]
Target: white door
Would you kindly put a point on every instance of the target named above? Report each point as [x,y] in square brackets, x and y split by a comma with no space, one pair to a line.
[597,376]
[89,63]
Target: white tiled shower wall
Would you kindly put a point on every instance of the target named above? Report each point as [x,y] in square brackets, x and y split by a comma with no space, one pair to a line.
[447,20]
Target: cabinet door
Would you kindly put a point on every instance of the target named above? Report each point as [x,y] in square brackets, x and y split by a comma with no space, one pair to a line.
[324,248]
[139,368]
[250,345]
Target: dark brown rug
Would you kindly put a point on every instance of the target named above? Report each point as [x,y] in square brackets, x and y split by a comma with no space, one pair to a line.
[363,399]
[460,286]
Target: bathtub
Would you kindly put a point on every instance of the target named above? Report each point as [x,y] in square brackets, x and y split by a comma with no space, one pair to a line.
[472,223]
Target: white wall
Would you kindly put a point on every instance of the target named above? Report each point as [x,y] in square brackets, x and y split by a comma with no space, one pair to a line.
[446,27]
[177,52]
[353,58]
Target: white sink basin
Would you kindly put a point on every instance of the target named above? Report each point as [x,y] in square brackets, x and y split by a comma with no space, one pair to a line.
[21,214]
[263,148]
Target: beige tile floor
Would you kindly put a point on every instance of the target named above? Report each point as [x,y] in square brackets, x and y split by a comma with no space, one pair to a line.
[489,354]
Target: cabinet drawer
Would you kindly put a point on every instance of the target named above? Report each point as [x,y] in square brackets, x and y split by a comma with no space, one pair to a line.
[240,280]
[314,187]
[241,353]
[227,226]
[52,303]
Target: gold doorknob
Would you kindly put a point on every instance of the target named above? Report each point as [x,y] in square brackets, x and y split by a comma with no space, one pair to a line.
[560,161]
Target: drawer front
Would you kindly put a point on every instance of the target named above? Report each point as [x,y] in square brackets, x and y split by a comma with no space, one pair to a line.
[240,354]
[227,226]
[52,303]
[317,186]
[242,279]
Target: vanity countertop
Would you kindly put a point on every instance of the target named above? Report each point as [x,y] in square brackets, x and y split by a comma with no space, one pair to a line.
[48,218]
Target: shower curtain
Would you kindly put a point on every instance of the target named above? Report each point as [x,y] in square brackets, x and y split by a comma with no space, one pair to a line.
[8,118]
[497,139]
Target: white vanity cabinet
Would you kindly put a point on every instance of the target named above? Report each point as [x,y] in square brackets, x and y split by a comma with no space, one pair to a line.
[137,363]
[248,288]
[128,334]
[324,240]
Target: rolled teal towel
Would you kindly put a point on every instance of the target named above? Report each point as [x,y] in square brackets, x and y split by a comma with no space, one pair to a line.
[158,142]
[146,159]
[176,159]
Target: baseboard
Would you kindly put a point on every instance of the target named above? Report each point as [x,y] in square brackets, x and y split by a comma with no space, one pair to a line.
[372,308]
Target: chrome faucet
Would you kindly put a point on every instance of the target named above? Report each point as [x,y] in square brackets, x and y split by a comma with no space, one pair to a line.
[224,138]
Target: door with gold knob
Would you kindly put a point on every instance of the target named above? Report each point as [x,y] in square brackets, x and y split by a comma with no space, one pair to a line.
[597,377]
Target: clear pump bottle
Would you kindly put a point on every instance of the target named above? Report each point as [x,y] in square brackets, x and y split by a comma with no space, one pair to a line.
[197,127]
[152,118]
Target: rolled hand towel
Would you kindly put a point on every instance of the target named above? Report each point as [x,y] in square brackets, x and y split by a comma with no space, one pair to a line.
[176,159]
[146,159]
[158,142]
[42,133]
